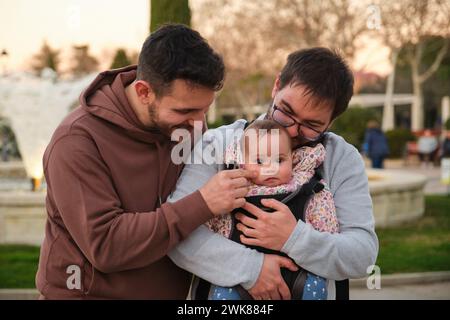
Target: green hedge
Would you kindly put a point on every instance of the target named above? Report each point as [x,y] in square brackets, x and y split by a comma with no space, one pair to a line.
[447,124]
[351,125]
[397,140]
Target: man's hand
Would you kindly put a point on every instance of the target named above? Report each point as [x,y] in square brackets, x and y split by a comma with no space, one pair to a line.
[226,190]
[270,230]
[270,284]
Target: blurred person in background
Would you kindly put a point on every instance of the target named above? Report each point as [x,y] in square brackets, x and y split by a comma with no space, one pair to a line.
[375,144]
[427,147]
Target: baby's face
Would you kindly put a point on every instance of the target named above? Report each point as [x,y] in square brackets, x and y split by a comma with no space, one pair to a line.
[274,167]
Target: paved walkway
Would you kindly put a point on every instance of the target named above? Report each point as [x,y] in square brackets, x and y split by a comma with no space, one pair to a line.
[401,286]
[430,291]
[434,291]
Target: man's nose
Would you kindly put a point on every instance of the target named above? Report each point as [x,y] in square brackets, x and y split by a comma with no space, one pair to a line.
[195,118]
[293,131]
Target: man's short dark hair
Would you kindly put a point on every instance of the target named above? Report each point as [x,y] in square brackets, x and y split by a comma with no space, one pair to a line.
[324,73]
[175,51]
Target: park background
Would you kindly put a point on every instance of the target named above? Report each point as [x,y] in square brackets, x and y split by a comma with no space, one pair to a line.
[399,52]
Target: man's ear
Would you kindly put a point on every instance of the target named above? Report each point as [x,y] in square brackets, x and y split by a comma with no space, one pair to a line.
[144,92]
[276,86]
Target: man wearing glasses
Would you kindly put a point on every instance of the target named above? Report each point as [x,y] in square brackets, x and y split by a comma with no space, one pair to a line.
[313,89]
[285,118]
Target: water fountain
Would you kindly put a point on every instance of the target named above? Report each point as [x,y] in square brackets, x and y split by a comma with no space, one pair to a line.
[34,107]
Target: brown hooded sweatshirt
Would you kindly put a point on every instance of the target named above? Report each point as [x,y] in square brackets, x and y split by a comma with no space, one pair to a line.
[107,176]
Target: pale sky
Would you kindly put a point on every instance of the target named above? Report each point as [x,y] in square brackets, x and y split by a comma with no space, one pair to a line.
[103,24]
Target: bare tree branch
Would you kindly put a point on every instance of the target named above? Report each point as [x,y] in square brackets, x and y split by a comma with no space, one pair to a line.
[436,63]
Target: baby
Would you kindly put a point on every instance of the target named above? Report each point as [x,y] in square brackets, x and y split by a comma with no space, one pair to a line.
[281,172]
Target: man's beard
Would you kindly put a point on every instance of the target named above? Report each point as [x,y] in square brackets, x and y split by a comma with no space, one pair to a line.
[155,123]
[164,128]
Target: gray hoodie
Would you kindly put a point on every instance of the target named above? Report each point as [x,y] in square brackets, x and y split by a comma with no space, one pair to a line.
[339,256]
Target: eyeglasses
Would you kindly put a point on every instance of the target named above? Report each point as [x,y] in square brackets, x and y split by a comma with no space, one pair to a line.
[285,120]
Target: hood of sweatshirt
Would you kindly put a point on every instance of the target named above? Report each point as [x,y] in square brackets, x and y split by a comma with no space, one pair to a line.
[105,98]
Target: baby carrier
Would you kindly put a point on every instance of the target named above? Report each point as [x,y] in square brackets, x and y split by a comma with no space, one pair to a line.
[296,201]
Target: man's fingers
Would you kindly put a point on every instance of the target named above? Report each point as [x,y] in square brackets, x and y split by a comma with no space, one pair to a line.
[274,204]
[240,192]
[238,203]
[255,297]
[250,241]
[236,173]
[240,182]
[249,222]
[284,291]
[287,263]
[257,212]
[275,294]
[249,232]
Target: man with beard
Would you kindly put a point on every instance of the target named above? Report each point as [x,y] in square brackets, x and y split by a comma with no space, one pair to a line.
[108,171]
[313,89]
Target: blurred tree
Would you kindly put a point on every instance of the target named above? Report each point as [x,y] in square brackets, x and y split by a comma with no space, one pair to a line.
[255,37]
[405,26]
[338,24]
[83,62]
[164,11]
[46,58]
[254,89]
[369,82]
[246,32]
[134,57]
[120,59]
[435,87]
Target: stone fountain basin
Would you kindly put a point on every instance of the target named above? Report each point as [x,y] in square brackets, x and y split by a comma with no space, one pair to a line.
[397,196]
[22,217]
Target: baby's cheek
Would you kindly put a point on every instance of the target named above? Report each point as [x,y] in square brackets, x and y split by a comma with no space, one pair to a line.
[285,173]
